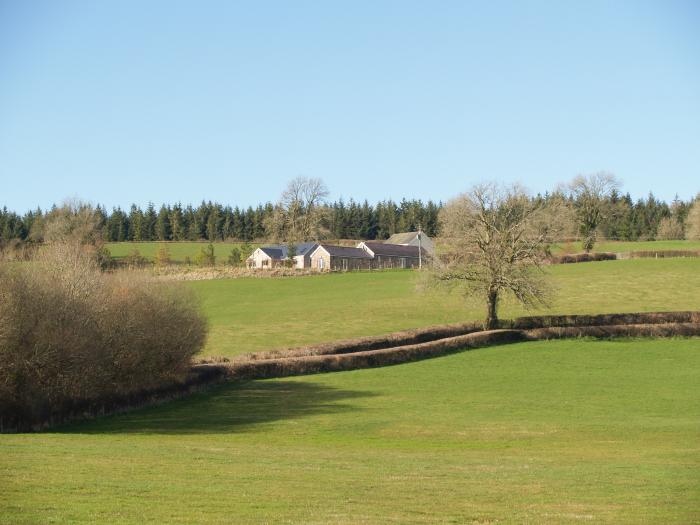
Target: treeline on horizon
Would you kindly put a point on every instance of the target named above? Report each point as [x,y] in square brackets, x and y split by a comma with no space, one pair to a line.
[623,219]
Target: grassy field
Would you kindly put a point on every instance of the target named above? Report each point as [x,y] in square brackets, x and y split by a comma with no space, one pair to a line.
[178,250]
[247,315]
[546,432]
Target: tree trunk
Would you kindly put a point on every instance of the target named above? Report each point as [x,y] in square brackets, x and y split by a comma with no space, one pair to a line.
[491,313]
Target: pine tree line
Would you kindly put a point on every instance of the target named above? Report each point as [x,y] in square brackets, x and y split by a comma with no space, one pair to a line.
[623,219]
[215,222]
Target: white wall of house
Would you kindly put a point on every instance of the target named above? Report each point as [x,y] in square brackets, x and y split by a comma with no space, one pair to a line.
[259,259]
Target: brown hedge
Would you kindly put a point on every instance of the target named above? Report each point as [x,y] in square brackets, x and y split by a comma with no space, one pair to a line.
[662,254]
[312,364]
[582,257]
[422,335]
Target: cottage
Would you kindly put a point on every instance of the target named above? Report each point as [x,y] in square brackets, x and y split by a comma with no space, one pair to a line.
[385,256]
[412,239]
[278,255]
[328,257]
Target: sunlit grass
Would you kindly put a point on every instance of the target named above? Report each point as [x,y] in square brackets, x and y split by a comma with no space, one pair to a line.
[250,314]
[546,432]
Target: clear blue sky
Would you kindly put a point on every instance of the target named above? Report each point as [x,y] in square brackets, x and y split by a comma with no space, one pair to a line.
[135,101]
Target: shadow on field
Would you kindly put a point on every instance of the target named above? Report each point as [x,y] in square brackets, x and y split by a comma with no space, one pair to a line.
[229,408]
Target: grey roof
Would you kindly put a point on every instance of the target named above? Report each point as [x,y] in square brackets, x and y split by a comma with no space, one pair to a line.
[402,238]
[394,250]
[346,251]
[281,251]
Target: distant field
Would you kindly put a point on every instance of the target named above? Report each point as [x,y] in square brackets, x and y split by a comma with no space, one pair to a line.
[548,432]
[629,246]
[178,250]
[251,314]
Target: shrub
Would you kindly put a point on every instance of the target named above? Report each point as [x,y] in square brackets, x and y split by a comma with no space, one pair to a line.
[234,258]
[669,229]
[583,257]
[692,223]
[135,259]
[162,257]
[206,256]
[72,337]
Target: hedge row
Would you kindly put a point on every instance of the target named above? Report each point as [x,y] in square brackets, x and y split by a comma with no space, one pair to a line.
[422,335]
[661,254]
[312,364]
[582,257]
[610,256]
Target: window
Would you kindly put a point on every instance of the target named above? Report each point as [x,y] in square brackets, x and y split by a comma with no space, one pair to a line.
[320,263]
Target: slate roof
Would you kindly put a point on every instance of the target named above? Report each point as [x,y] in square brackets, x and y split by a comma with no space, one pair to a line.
[393,250]
[401,238]
[346,251]
[281,251]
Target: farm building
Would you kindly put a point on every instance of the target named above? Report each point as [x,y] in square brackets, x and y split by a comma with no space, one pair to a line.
[411,239]
[277,255]
[386,255]
[327,257]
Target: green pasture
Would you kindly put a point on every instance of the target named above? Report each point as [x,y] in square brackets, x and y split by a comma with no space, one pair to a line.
[178,250]
[546,432]
[252,314]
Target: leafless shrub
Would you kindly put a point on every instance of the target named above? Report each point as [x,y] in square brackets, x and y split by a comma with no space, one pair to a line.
[692,224]
[582,257]
[70,334]
[669,229]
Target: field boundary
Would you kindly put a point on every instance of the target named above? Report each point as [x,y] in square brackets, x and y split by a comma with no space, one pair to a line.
[387,350]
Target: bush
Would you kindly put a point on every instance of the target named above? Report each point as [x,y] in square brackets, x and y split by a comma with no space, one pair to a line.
[206,256]
[583,257]
[74,338]
[234,258]
[669,229]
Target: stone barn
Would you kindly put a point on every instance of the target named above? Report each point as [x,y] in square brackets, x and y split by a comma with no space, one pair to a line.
[328,257]
[387,256]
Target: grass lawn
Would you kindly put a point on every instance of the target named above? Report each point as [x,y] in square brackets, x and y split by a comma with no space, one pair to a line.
[543,432]
[178,250]
[247,315]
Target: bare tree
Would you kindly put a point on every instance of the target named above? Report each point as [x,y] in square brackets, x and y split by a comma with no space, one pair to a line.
[692,222]
[589,193]
[298,214]
[499,237]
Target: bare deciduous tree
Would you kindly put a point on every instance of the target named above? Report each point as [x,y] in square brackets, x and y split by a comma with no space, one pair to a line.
[298,214]
[669,229]
[589,193]
[692,223]
[498,238]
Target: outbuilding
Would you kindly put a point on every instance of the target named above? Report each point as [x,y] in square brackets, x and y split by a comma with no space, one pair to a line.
[328,257]
[386,256]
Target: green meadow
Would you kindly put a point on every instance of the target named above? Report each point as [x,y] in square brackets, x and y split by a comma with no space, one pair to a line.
[252,314]
[178,250]
[545,432]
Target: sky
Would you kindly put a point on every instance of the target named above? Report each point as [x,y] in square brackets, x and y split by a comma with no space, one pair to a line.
[127,101]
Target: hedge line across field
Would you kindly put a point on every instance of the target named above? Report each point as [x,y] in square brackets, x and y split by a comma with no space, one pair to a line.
[396,348]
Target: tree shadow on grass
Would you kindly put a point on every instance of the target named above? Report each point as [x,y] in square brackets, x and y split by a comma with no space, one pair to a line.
[228,408]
